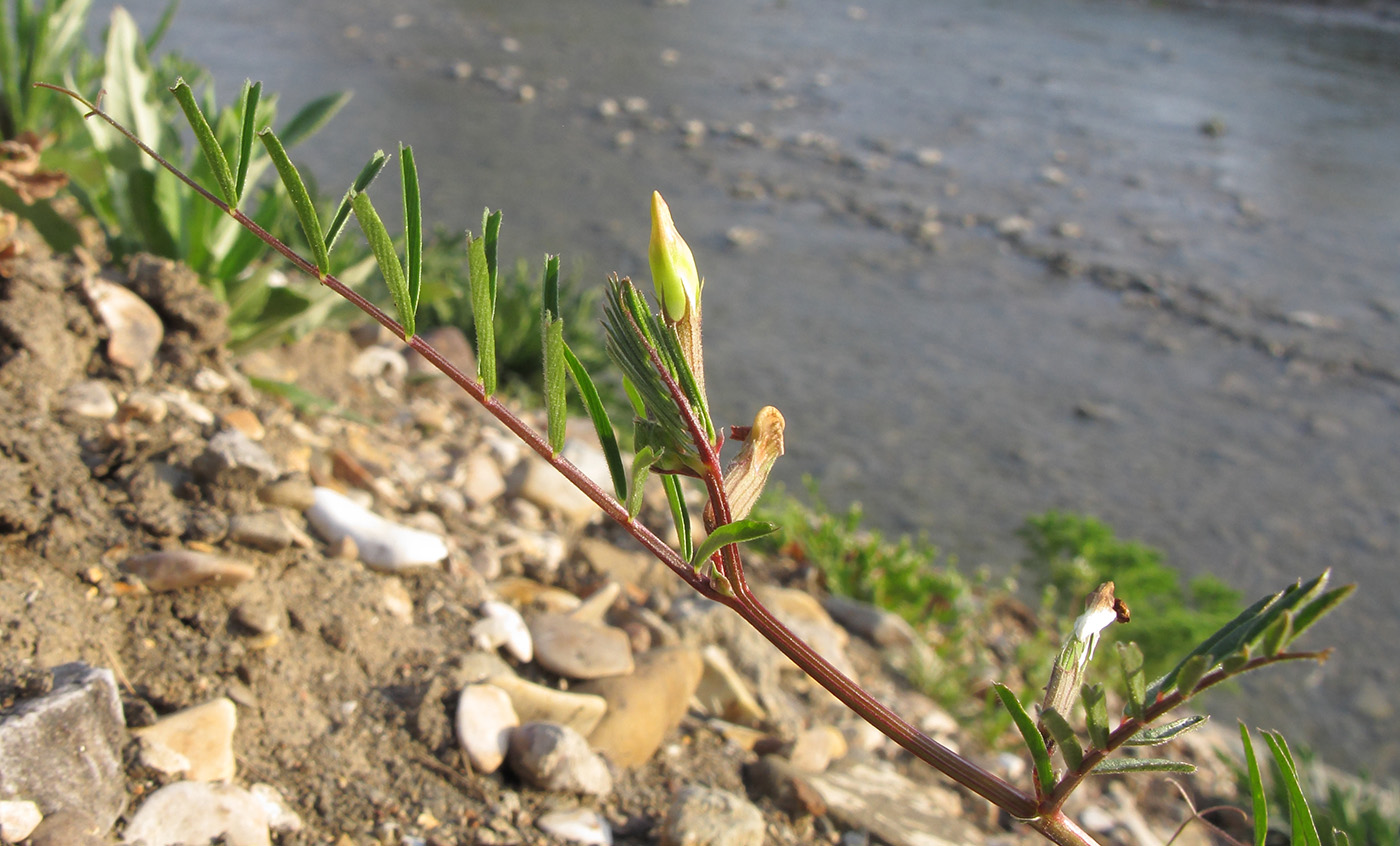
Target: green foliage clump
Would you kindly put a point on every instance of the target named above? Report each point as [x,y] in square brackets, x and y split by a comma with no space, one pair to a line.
[1075,553]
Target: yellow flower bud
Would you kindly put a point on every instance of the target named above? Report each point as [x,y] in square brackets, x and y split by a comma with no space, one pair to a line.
[672,264]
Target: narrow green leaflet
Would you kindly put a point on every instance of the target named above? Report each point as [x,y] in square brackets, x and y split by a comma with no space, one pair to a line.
[1034,742]
[371,169]
[312,117]
[676,498]
[556,404]
[1096,714]
[1304,829]
[388,259]
[252,92]
[213,153]
[1130,658]
[1318,608]
[1256,789]
[490,235]
[1115,766]
[301,201]
[598,413]
[1191,673]
[1157,735]
[412,226]
[483,303]
[1064,736]
[1276,635]
[641,471]
[740,531]
[551,285]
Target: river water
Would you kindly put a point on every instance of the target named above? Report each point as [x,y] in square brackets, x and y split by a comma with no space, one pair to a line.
[989,258]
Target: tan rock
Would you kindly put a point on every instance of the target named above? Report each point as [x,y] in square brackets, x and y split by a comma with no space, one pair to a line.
[173,569]
[723,692]
[536,703]
[580,650]
[645,706]
[196,742]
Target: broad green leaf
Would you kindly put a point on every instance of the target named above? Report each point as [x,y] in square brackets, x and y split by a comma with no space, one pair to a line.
[1130,659]
[1304,829]
[680,514]
[1256,789]
[213,153]
[1095,714]
[1191,673]
[1157,735]
[641,471]
[342,213]
[312,117]
[598,413]
[412,226]
[306,211]
[1114,766]
[252,92]
[386,257]
[1030,734]
[556,405]
[740,531]
[483,303]
[1064,736]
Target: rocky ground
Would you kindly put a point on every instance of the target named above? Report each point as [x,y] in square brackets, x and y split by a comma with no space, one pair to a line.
[201,638]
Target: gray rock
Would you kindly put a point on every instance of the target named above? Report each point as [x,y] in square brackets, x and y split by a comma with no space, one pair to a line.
[90,398]
[700,816]
[554,757]
[63,750]
[580,650]
[877,625]
[189,812]
[266,531]
[900,812]
[233,460]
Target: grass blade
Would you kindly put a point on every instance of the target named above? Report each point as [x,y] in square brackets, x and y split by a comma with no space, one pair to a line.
[301,201]
[676,498]
[1304,829]
[1034,742]
[371,169]
[1064,736]
[252,92]
[1095,714]
[387,257]
[740,531]
[412,225]
[483,303]
[607,438]
[213,153]
[1259,799]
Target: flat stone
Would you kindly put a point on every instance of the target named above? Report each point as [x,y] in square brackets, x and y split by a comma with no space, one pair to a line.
[18,819]
[645,706]
[63,750]
[542,485]
[554,757]
[528,593]
[815,748]
[196,742]
[804,615]
[485,720]
[293,491]
[723,692]
[877,625]
[872,796]
[699,816]
[631,568]
[266,531]
[234,460]
[580,650]
[536,703]
[89,398]
[174,569]
[380,543]
[188,812]
[134,330]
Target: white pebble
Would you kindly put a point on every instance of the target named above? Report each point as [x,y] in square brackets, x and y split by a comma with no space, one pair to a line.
[381,543]
[18,819]
[502,625]
[485,720]
[579,825]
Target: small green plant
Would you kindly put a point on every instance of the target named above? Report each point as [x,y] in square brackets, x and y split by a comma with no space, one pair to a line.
[660,354]
[1075,552]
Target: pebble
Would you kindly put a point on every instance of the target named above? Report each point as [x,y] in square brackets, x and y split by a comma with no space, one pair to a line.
[723,693]
[196,742]
[209,381]
[175,569]
[244,421]
[700,816]
[528,593]
[580,650]
[134,329]
[199,812]
[293,491]
[595,608]
[536,703]
[802,613]
[380,543]
[63,750]
[143,406]
[1014,225]
[234,460]
[579,825]
[90,398]
[897,810]
[395,600]
[643,707]
[18,819]
[485,720]
[482,481]
[554,757]
[877,625]
[266,531]
[608,108]
[928,156]
[542,485]
[816,747]
[502,625]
